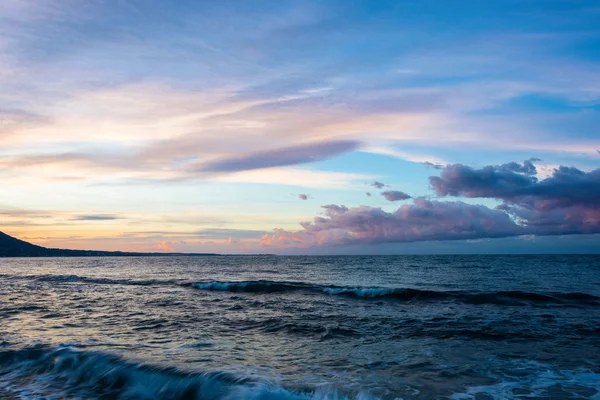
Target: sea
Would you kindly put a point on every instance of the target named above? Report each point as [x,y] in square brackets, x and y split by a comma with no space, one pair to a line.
[295,328]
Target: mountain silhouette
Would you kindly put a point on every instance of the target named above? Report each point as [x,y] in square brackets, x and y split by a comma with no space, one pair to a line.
[13,247]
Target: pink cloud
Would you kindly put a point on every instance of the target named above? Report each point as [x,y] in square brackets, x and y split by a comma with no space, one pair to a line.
[422,220]
[568,202]
[167,247]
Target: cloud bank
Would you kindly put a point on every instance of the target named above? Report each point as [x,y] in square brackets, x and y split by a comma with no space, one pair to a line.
[422,220]
[568,202]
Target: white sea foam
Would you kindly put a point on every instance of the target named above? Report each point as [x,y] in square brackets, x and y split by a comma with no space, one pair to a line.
[547,382]
[63,372]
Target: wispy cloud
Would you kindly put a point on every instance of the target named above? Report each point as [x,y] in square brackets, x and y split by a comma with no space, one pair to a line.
[96,217]
[306,178]
[248,110]
[377,184]
[282,157]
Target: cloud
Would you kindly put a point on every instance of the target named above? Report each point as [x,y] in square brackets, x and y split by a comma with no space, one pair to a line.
[378,185]
[11,212]
[422,220]
[306,178]
[395,195]
[12,216]
[368,194]
[226,233]
[432,165]
[515,184]
[566,203]
[526,168]
[96,217]
[303,196]
[408,155]
[166,247]
[490,181]
[286,156]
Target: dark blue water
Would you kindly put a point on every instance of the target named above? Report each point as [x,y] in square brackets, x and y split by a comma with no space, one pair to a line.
[406,327]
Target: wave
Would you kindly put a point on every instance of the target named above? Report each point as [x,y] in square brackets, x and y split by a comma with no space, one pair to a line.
[305,329]
[543,381]
[252,286]
[66,372]
[513,297]
[100,281]
[396,293]
[277,286]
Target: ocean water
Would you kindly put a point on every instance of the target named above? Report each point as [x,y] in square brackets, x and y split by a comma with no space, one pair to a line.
[402,327]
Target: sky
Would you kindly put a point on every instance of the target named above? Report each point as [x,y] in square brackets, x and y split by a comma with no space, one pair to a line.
[301,127]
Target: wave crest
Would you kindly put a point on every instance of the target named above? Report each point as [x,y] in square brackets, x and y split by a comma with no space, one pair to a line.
[252,286]
[514,297]
[94,375]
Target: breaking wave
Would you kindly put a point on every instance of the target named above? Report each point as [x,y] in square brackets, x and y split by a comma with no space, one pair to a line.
[65,372]
[253,286]
[405,294]
[514,297]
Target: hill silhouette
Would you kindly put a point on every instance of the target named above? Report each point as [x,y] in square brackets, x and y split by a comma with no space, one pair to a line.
[13,247]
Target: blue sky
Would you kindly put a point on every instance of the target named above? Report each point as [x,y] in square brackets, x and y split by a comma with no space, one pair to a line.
[196,126]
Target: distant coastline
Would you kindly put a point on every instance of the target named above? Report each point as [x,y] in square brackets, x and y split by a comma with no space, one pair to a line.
[13,247]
